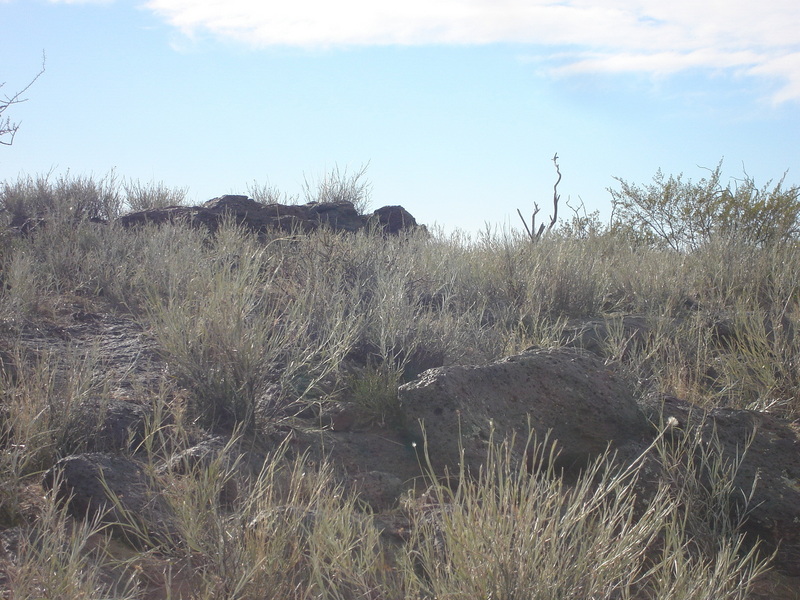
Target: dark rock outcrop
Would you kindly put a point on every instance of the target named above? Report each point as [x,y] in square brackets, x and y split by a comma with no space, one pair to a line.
[377,489]
[394,219]
[109,426]
[290,218]
[586,407]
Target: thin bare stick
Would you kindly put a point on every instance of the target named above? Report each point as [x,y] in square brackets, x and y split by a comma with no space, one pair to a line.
[519,212]
[7,128]
[542,228]
[556,196]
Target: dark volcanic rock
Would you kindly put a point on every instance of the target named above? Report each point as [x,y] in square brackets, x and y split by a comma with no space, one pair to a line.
[771,461]
[567,394]
[117,491]
[290,218]
[587,407]
[110,426]
[194,215]
[394,219]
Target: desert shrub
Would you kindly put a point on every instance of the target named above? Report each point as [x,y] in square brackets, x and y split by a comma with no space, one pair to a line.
[292,532]
[68,198]
[338,186]
[581,224]
[60,557]
[231,326]
[684,215]
[37,422]
[85,263]
[512,534]
[373,390]
[139,196]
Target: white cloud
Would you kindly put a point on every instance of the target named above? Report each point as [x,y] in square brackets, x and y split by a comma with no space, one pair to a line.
[80,1]
[609,36]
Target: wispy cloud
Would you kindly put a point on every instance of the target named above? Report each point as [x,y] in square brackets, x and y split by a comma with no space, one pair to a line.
[584,36]
[80,1]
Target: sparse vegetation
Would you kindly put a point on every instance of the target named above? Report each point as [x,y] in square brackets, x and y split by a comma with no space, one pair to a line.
[338,186]
[9,128]
[146,196]
[686,216]
[252,328]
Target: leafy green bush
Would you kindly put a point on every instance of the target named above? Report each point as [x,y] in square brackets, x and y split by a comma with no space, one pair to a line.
[684,215]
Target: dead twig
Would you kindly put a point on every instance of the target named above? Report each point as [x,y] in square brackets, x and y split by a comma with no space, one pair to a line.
[542,228]
[6,126]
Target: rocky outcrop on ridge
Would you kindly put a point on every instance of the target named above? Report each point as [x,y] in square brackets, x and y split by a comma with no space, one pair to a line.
[290,218]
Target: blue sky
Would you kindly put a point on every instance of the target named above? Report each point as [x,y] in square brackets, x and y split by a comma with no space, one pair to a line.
[457,105]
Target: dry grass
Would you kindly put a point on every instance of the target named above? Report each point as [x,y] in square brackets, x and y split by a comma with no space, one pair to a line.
[248,325]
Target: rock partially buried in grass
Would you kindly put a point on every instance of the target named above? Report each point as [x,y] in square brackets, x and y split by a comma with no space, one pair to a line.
[118,491]
[566,394]
[769,450]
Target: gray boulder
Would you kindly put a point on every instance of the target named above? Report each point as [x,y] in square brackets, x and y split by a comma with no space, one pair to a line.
[587,407]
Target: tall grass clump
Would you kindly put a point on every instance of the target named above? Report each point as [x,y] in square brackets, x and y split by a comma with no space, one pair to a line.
[147,196]
[58,269]
[37,423]
[290,532]
[512,534]
[62,558]
[233,329]
[266,193]
[338,186]
[68,198]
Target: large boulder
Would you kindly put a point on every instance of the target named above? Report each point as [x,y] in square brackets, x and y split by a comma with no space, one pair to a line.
[585,406]
[394,219]
[292,218]
[566,394]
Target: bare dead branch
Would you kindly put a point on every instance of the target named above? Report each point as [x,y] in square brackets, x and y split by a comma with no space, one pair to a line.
[556,195]
[519,212]
[542,228]
[7,128]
